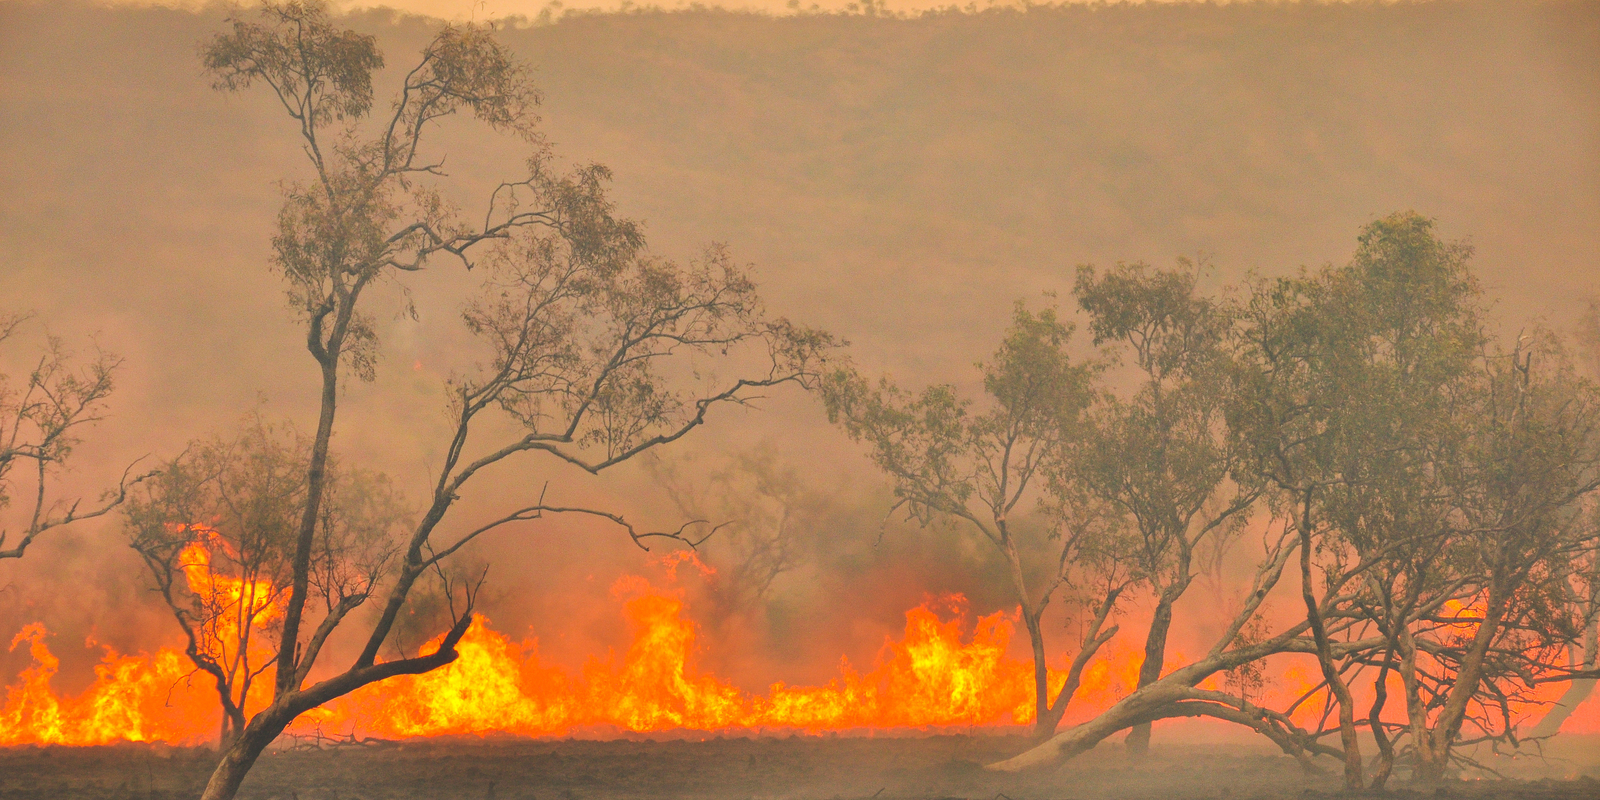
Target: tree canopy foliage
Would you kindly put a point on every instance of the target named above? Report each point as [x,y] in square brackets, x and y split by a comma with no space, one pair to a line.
[1435,486]
[597,353]
[41,422]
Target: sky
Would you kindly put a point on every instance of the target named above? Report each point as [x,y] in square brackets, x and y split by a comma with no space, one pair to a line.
[497,9]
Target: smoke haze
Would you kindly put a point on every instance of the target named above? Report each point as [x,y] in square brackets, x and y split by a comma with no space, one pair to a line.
[898,182]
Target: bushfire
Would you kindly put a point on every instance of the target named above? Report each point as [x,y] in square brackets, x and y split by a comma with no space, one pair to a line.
[937,674]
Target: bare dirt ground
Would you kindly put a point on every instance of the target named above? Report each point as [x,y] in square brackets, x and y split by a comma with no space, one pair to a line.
[824,768]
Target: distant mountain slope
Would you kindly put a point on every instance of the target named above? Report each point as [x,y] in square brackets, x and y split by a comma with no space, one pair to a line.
[965,159]
[938,166]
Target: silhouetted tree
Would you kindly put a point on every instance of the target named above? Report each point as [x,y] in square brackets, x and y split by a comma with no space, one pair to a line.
[987,469]
[217,530]
[593,343]
[40,424]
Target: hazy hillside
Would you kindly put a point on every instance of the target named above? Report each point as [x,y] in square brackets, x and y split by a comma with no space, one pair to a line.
[899,181]
[953,162]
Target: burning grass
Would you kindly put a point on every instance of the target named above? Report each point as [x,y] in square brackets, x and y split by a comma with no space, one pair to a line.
[946,671]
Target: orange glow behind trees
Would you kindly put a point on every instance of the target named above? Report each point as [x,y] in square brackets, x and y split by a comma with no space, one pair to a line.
[934,675]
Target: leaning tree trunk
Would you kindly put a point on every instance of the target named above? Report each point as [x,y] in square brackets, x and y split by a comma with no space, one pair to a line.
[1155,654]
[1433,756]
[241,755]
[1128,712]
[1577,692]
[1354,777]
[1142,706]
[1162,697]
[1046,716]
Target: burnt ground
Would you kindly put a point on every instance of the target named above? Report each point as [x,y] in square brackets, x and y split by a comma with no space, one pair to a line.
[824,768]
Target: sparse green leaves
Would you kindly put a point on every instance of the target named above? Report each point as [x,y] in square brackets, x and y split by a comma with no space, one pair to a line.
[1445,472]
[594,345]
[320,73]
[1041,390]
[41,421]
[1163,453]
[243,497]
[464,67]
[591,335]
[1158,313]
[218,530]
[943,454]
[366,215]
[923,442]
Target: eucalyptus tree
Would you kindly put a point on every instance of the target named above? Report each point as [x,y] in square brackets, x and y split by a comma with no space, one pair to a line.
[1130,498]
[1303,359]
[1408,517]
[1584,583]
[1437,483]
[985,469]
[216,529]
[1175,469]
[1525,492]
[1354,373]
[1404,332]
[1163,456]
[41,422]
[1439,492]
[594,351]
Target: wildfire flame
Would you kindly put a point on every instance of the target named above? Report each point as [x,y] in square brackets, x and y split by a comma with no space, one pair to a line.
[928,678]
[933,675]
[128,701]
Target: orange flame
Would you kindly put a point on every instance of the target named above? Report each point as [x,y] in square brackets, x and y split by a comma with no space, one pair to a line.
[128,701]
[933,675]
[928,678]
[238,606]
